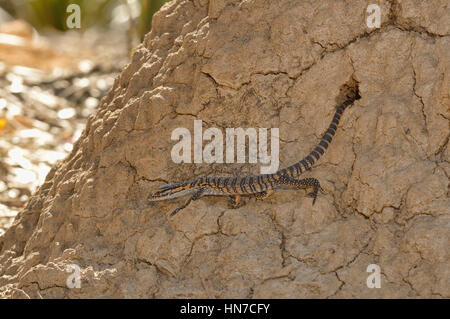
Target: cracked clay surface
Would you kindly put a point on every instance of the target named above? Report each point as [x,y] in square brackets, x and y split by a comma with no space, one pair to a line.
[256,64]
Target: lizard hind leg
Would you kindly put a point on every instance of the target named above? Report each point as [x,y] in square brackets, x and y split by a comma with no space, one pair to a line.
[316,187]
[197,194]
[304,183]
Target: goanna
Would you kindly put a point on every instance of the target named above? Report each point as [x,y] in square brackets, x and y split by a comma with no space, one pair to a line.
[260,186]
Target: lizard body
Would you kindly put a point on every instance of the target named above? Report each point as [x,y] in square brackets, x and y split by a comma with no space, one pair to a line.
[262,185]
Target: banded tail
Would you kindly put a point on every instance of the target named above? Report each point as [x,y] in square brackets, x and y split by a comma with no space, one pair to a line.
[306,163]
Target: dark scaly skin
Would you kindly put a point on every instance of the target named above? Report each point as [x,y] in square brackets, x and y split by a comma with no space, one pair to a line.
[260,186]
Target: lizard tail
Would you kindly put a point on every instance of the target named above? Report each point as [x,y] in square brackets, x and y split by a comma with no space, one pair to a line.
[306,163]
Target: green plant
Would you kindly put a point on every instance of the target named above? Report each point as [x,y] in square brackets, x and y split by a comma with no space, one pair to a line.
[52,13]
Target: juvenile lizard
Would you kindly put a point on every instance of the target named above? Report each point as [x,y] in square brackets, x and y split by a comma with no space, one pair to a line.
[260,186]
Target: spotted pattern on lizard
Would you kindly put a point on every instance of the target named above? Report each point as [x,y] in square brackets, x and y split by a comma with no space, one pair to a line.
[261,186]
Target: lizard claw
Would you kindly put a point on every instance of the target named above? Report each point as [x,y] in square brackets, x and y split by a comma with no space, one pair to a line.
[175,212]
[322,191]
[313,195]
